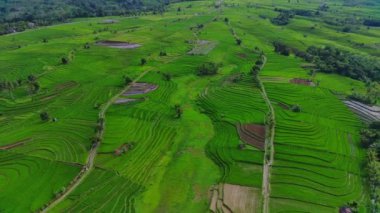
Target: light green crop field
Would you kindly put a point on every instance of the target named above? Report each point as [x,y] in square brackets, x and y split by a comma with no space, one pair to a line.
[174,164]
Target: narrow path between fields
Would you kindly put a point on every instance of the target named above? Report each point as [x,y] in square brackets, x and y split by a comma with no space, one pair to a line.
[88,167]
[269,145]
[269,137]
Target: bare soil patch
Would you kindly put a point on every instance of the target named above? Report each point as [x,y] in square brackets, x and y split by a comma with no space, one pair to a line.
[202,47]
[140,88]
[108,21]
[365,112]
[302,81]
[242,55]
[241,199]
[126,100]
[118,44]
[214,200]
[16,144]
[122,149]
[252,134]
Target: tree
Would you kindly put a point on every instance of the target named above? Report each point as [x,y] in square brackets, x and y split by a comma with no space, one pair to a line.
[86,46]
[207,68]
[255,70]
[32,78]
[127,80]
[64,60]
[238,41]
[178,111]
[166,76]
[35,87]
[143,61]
[259,62]
[162,53]
[44,116]
[226,20]
[295,108]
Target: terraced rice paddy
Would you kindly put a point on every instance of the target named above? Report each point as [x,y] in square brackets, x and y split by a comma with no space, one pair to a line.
[151,158]
[315,150]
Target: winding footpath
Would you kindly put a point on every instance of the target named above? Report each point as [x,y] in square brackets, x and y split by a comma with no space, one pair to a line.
[269,145]
[89,166]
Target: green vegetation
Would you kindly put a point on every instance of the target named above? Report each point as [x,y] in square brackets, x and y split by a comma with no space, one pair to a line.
[331,60]
[208,68]
[159,111]
[17,16]
[370,139]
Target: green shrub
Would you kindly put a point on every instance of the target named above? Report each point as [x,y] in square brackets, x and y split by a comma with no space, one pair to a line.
[208,68]
[44,116]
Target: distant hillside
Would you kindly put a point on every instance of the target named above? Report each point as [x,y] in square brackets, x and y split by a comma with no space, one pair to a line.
[18,15]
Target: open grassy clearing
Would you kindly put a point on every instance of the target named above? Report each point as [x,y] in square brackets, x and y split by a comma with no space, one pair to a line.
[150,161]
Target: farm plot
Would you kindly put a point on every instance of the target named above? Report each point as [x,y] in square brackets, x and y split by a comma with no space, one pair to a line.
[317,160]
[252,134]
[150,134]
[365,112]
[202,47]
[23,181]
[235,198]
[118,44]
[229,106]
[70,93]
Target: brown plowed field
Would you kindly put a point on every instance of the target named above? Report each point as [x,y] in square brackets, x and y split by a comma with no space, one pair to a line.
[302,81]
[140,88]
[252,134]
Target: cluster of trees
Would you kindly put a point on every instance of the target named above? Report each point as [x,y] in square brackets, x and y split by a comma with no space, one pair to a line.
[284,16]
[332,60]
[31,84]
[23,14]
[363,98]
[208,68]
[34,86]
[370,139]
[281,48]
[257,66]
[371,96]
[372,23]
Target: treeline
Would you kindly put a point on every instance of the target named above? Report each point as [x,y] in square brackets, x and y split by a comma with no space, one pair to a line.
[329,59]
[18,15]
[370,139]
